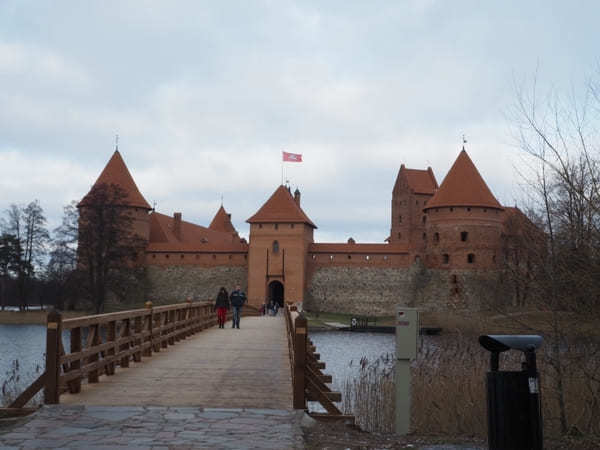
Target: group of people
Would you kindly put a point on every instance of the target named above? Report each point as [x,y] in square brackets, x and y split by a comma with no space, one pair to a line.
[236,300]
[226,301]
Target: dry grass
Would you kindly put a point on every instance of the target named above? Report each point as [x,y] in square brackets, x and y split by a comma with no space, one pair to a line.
[15,382]
[449,394]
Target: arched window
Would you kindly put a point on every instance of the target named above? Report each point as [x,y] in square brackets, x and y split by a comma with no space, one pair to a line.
[471,258]
[275,247]
[463,236]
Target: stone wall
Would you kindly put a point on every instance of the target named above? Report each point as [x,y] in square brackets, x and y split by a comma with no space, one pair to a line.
[173,284]
[374,291]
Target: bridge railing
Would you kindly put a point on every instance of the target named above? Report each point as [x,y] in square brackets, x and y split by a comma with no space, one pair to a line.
[308,381]
[101,342]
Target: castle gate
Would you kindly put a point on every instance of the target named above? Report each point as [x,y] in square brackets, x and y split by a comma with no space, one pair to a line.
[276,292]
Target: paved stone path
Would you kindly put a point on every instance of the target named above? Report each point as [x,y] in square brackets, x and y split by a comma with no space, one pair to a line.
[146,427]
[217,368]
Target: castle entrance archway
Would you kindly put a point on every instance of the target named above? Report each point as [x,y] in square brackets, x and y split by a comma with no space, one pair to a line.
[276,292]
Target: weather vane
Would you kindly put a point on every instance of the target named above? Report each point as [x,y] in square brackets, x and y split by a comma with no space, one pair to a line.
[221,199]
[464,139]
[117,141]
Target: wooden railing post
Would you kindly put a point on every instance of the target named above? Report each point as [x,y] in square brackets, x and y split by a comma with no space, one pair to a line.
[148,351]
[75,385]
[53,335]
[299,361]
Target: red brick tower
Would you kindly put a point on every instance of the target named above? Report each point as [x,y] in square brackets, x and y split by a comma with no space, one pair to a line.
[116,173]
[464,221]
[280,234]
[412,190]
[222,222]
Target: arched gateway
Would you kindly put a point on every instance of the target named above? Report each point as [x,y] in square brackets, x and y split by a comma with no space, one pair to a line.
[276,292]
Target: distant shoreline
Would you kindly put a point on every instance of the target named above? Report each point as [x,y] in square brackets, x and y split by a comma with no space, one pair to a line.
[32,317]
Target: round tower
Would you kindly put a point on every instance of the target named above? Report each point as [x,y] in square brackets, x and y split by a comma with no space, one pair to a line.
[116,186]
[463,221]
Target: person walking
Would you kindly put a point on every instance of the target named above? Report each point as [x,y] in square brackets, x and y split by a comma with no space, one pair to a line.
[222,306]
[237,298]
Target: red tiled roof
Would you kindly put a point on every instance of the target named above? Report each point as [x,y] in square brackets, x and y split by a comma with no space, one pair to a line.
[222,222]
[358,248]
[463,186]
[281,208]
[193,237]
[420,181]
[116,172]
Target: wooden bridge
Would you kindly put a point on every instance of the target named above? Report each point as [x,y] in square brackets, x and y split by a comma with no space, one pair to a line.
[175,356]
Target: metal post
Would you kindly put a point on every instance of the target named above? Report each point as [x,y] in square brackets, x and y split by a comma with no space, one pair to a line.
[535,415]
[407,329]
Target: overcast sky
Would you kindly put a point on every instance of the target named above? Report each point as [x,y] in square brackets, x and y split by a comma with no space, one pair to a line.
[206,95]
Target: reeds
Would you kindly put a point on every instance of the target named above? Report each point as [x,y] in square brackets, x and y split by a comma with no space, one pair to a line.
[15,382]
[449,394]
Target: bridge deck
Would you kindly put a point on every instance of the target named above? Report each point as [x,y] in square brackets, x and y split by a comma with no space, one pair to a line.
[222,368]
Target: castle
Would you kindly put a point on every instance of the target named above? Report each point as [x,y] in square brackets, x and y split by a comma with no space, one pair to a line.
[444,248]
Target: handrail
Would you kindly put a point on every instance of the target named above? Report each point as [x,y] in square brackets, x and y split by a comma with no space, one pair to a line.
[308,382]
[101,342]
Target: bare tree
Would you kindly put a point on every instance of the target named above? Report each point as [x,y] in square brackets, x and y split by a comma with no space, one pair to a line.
[28,226]
[107,243]
[10,254]
[562,139]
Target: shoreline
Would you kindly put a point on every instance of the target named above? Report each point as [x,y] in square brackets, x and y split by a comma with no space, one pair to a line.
[37,317]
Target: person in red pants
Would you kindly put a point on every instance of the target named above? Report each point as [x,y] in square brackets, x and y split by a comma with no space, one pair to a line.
[222,306]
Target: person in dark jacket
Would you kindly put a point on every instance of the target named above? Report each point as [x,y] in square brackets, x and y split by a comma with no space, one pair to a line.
[237,298]
[222,306]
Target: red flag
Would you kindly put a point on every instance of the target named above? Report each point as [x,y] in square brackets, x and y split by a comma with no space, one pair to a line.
[292,157]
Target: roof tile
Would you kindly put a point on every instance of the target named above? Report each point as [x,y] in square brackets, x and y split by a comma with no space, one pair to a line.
[281,208]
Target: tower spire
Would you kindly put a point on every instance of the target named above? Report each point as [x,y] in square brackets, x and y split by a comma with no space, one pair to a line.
[464,139]
[117,142]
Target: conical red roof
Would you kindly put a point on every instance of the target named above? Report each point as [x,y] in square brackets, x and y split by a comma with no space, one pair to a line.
[116,172]
[222,222]
[281,208]
[463,186]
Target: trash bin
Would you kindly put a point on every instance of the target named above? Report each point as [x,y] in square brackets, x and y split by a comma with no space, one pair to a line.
[513,397]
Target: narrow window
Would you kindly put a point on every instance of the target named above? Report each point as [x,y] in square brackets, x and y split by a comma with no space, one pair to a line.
[349,256]
[276,226]
[399,219]
[230,257]
[468,209]
[399,235]
[446,258]
[451,209]
[330,257]
[484,210]
[246,256]
[275,247]
[153,256]
[454,279]
[424,236]
[436,237]
[463,236]
[167,256]
[417,202]
[424,219]
[471,258]
[260,225]
[291,225]
[181,256]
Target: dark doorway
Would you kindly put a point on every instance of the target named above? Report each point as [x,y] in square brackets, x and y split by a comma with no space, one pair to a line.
[276,292]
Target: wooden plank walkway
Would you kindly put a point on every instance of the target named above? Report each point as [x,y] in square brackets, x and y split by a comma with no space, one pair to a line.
[218,368]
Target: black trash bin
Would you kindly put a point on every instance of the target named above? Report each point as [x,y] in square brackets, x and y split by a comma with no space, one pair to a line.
[513,397]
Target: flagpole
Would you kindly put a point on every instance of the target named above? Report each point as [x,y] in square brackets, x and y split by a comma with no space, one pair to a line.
[282,168]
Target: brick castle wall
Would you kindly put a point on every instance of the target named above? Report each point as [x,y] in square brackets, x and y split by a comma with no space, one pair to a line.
[374,291]
[174,284]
